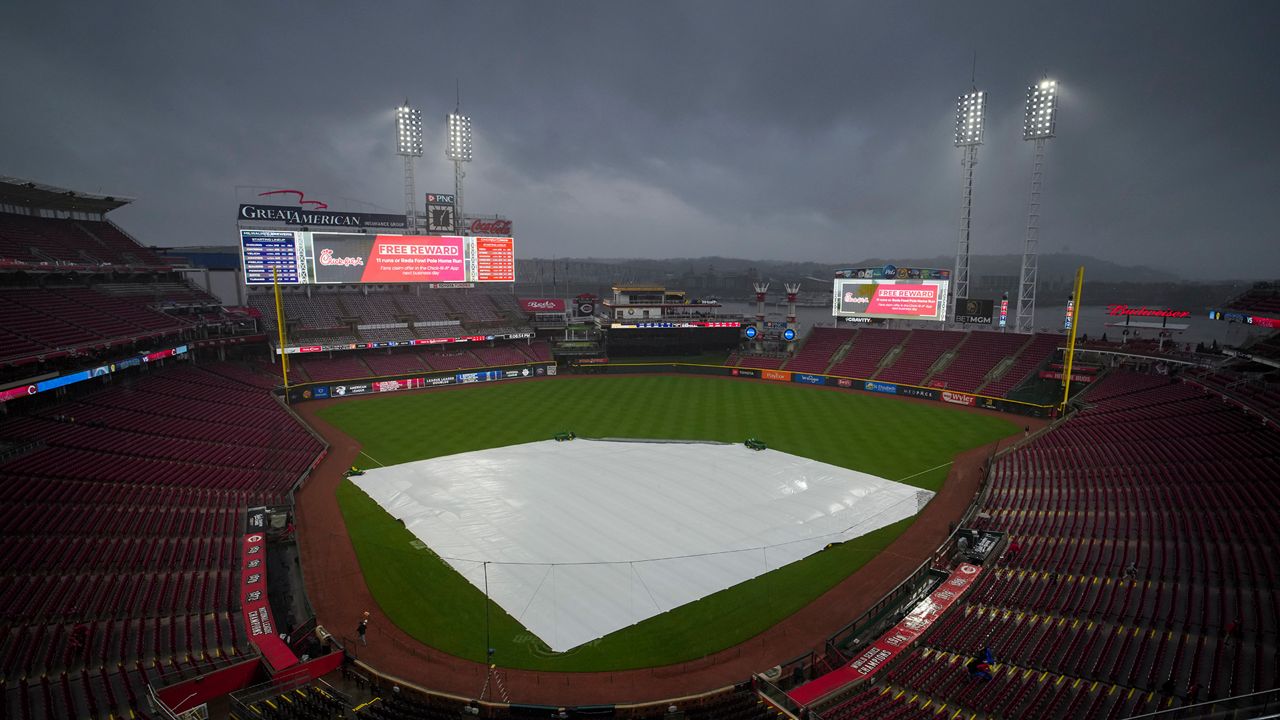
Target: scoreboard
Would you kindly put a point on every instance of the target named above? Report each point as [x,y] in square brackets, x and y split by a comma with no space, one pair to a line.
[317,258]
[495,260]
[265,251]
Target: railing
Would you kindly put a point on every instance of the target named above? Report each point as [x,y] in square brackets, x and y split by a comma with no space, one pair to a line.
[242,699]
[878,617]
[779,699]
[1262,704]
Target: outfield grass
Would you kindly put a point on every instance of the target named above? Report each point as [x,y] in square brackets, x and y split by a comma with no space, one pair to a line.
[897,440]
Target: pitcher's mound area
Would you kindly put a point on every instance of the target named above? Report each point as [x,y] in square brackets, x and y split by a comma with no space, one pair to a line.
[579,539]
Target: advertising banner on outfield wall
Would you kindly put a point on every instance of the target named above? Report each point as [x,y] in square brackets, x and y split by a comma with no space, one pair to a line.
[781,375]
[880,387]
[809,379]
[956,398]
[915,392]
[303,393]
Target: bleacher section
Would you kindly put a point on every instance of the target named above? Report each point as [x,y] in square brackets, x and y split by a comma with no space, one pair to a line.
[869,348]
[401,315]
[922,350]
[1263,299]
[160,294]
[1154,473]
[749,360]
[977,356]
[29,239]
[1035,354]
[118,538]
[342,366]
[378,363]
[57,320]
[819,350]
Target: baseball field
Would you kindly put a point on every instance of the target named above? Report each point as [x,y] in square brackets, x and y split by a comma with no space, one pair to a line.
[909,442]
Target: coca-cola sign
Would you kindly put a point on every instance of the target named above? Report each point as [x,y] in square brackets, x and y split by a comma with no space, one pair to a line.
[487,226]
[537,305]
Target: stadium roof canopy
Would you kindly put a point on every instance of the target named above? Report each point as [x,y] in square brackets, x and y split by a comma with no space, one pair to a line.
[25,193]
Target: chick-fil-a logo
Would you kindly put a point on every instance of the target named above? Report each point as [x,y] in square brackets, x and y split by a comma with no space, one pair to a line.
[327,258]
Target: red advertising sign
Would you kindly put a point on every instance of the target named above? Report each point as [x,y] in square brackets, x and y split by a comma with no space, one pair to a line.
[958,398]
[1145,311]
[20,391]
[893,642]
[887,299]
[492,226]
[782,375]
[537,305]
[393,385]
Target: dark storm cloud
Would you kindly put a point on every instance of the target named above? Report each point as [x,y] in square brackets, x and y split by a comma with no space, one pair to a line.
[780,130]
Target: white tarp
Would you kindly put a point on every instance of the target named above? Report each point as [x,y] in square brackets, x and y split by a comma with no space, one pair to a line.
[585,537]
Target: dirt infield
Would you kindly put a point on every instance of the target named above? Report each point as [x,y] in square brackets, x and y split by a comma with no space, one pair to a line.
[336,589]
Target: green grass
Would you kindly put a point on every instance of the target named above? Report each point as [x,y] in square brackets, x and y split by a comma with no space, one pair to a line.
[429,600]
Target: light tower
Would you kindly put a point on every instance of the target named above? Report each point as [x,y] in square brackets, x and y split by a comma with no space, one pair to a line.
[971,110]
[1038,125]
[793,289]
[409,146]
[458,149]
[762,289]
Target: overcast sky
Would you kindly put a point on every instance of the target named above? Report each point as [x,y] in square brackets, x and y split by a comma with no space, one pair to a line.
[806,131]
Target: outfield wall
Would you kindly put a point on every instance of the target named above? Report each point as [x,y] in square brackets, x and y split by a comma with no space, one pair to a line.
[364,386]
[354,387]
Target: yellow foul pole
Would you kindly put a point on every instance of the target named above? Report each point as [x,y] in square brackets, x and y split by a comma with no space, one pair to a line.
[1071,343]
[284,359]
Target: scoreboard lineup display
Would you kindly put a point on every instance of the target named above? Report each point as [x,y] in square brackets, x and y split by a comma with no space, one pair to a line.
[318,258]
[891,293]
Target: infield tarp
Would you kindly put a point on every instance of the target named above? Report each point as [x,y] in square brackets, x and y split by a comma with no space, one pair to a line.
[583,538]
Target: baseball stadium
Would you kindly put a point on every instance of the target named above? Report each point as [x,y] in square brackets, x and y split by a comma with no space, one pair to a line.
[344,497]
[356,463]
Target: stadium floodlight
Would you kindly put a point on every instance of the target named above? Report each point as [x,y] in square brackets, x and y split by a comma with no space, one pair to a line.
[409,146]
[1042,109]
[1039,125]
[457,148]
[971,112]
[408,131]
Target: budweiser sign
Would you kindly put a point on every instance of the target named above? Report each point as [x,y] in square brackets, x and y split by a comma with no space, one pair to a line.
[537,305]
[1145,311]
[488,226]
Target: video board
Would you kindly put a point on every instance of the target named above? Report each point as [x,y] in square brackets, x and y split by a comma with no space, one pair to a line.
[907,299]
[318,258]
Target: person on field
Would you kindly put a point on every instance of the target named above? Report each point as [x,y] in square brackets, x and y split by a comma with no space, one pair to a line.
[363,628]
